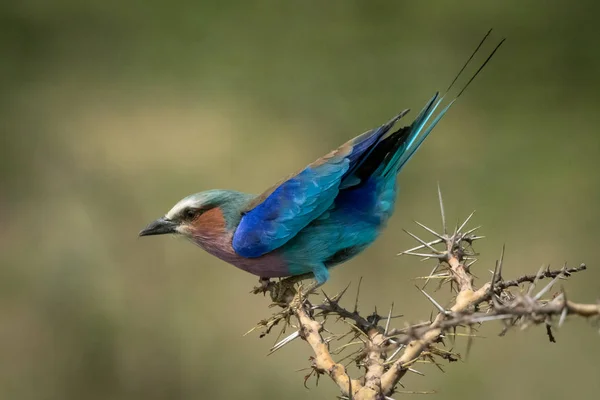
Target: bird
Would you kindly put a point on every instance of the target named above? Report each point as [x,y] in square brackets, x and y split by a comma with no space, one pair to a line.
[318,217]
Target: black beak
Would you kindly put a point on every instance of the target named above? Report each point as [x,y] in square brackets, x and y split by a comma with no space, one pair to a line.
[161,226]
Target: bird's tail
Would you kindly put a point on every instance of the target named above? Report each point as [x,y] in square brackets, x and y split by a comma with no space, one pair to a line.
[401,145]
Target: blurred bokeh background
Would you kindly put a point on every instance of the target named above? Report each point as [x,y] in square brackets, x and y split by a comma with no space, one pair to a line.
[112,111]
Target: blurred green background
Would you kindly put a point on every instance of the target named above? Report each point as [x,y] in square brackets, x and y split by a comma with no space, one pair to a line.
[113,111]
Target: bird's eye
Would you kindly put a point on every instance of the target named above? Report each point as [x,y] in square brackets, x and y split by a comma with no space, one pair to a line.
[190,213]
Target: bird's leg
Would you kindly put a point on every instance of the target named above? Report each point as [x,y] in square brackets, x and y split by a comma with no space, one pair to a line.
[320,274]
[278,290]
[284,291]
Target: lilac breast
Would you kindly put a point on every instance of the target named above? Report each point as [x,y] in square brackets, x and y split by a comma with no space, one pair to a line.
[270,265]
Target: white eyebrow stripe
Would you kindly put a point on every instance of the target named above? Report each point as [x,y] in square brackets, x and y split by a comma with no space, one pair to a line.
[183,204]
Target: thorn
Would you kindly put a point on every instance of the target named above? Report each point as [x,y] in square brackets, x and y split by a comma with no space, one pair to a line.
[251,330]
[342,336]
[563,316]
[436,241]
[538,276]
[435,363]
[396,316]
[501,261]
[357,294]
[410,253]
[414,371]
[466,222]
[547,287]
[474,238]
[338,296]
[468,265]
[443,275]
[454,234]
[564,267]
[495,303]
[442,210]
[390,358]
[422,242]
[565,310]
[303,369]
[355,328]
[389,318]
[351,357]
[281,332]
[433,271]
[494,276]
[283,342]
[342,347]
[469,341]
[465,334]
[434,233]
[472,230]
[435,303]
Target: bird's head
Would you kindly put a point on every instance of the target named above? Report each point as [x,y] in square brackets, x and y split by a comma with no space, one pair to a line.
[200,216]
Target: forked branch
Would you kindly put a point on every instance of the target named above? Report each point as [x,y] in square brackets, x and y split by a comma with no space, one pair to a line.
[386,354]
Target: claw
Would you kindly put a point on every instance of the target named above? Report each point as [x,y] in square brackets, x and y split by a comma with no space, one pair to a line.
[265,285]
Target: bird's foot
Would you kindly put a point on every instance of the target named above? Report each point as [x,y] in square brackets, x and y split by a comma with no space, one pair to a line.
[283,291]
[265,285]
[286,296]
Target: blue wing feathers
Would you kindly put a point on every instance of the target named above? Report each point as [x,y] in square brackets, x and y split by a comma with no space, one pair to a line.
[358,177]
[288,209]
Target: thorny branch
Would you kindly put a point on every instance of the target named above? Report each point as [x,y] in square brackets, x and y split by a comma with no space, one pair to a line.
[387,354]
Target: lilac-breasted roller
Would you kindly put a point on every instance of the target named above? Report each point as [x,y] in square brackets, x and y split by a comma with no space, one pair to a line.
[321,216]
